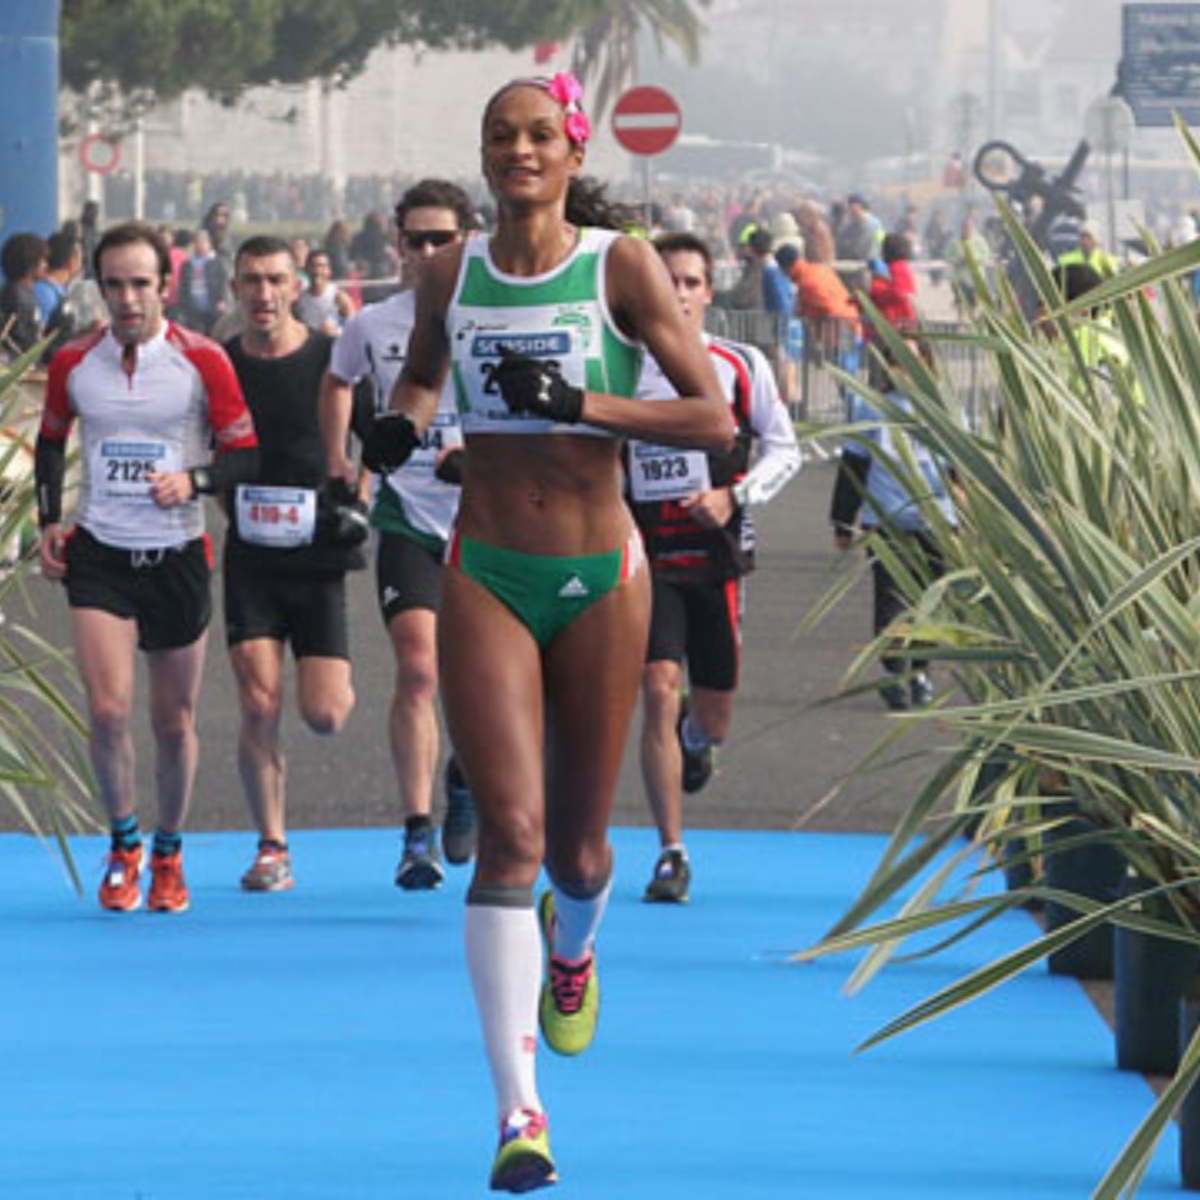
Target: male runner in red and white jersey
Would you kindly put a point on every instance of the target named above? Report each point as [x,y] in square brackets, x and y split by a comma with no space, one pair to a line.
[150,399]
[692,508]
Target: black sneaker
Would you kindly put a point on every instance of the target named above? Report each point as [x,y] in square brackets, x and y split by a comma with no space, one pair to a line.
[894,696]
[458,827]
[697,764]
[920,690]
[420,868]
[672,876]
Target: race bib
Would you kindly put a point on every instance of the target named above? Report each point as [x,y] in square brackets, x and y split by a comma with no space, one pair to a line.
[281,517]
[666,472]
[444,434]
[122,467]
[562,348]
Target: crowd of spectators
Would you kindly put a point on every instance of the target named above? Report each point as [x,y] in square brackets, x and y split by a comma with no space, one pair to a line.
[49,288]
[804,260]
[267,198]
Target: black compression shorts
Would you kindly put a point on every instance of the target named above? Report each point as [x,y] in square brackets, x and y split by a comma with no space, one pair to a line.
[702,623]
[407,575]
[165,591]
[307,609]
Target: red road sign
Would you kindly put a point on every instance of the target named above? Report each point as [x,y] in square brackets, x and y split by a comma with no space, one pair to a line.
[647,120]
[100,153]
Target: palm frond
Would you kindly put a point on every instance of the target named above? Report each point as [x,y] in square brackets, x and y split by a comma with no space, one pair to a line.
[1069,610]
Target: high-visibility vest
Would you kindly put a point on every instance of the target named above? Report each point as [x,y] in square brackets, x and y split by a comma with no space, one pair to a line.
[1099,260]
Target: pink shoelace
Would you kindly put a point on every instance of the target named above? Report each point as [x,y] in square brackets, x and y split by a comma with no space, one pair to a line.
[525,1122]
[568,982]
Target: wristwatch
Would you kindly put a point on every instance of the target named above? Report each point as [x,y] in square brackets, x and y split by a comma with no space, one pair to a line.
[201,478]
[740,493]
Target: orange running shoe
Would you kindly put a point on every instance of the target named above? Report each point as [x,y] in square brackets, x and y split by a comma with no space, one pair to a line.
[168,891]
[119,891]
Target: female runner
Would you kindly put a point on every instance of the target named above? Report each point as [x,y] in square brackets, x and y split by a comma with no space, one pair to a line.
[544,612]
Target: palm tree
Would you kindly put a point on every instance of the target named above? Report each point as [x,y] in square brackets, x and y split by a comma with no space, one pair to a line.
[1067,612]
[608,33]
[45,779]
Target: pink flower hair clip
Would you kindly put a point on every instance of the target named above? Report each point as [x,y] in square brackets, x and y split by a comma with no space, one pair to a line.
[568,91]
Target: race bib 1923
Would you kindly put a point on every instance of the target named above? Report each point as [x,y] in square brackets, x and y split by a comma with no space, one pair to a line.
[666,472]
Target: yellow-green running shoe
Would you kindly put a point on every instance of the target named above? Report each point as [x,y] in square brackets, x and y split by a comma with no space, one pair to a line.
[523,1162]
[570,1001]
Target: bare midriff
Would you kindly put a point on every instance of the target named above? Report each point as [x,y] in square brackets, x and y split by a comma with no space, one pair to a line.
[544,494]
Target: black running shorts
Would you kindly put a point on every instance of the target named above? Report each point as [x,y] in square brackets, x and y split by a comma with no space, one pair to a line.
[306,609]
[407,575]
[702,623]
[165,591]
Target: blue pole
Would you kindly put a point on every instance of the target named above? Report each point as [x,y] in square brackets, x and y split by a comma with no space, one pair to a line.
[28,116]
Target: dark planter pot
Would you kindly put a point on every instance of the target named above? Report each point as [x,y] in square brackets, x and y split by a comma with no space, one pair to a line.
[1189,1110]
[1150,975]
[1092,871]
[1017,874]
[990,773]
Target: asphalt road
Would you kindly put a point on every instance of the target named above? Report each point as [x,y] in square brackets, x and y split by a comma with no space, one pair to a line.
[788,764]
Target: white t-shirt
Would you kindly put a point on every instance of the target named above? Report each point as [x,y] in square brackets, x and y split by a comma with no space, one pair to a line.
[181,395]
[374,344]
[778,457]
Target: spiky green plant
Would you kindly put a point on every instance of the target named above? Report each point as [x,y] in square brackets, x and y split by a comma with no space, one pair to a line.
[1070,615]
[44,774]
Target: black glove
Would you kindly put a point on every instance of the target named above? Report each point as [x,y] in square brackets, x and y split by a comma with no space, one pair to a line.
[341,517]
[389,442]
[338,491]
[537,387]
[450,466]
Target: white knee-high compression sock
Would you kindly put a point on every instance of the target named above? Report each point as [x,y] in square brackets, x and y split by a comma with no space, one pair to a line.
[504,956]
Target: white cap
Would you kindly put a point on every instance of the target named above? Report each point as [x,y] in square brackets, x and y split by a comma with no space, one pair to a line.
[783,225]
[1092,229]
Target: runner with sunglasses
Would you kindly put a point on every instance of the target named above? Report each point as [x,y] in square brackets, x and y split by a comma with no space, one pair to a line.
[413,510]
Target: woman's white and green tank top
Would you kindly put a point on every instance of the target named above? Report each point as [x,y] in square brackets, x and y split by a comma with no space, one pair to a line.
[561,316]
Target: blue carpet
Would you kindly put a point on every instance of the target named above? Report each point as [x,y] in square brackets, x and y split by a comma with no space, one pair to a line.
[322,1043]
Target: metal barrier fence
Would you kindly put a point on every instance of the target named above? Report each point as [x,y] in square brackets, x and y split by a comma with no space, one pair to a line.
[813,393]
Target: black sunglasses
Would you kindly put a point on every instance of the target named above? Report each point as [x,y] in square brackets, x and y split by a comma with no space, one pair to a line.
[418,239]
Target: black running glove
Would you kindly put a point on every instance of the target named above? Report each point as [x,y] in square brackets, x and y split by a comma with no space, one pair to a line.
[389,442]
[341,516]
[450,466]
[537,387]
[338,491]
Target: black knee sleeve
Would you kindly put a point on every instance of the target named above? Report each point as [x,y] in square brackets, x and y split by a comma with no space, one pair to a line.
[496,895]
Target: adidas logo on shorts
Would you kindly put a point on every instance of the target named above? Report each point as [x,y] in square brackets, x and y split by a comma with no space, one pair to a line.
[573,589]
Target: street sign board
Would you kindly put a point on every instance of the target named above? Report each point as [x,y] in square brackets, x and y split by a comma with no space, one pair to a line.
[647,120]
[1160,63]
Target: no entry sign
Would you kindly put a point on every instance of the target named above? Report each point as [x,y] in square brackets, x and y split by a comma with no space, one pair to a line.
[647,120]
[99,153]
